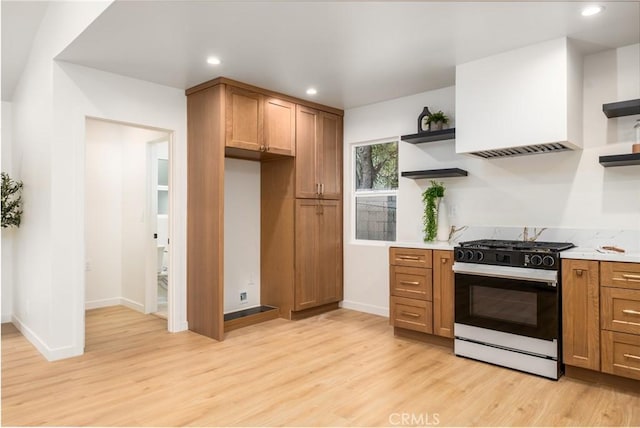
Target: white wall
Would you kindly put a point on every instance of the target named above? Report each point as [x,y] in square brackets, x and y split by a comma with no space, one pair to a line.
[51,103]
[562,190]
[6,296]
[241,233]
[103,214]
[117,228]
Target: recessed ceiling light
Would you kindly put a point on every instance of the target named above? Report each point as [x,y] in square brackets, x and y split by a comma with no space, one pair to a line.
[592,10]
[311,91]
[213,60]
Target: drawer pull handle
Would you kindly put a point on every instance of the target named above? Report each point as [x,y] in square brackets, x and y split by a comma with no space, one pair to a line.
[444,261]
[630,312]
[579,272]
[410,314]
[634,357]
[410,282]
[409,257]
[631,277]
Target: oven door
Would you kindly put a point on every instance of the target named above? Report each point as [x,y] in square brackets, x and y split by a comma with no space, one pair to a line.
[520,301]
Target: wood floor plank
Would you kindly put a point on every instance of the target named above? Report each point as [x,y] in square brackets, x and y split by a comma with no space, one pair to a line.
[342,368]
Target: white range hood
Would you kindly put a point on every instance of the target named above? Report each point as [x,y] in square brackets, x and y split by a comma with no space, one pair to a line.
[524,101]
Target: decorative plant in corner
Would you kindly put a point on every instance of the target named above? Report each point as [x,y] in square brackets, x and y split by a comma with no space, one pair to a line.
[436,120]
[429,198]
[11,201]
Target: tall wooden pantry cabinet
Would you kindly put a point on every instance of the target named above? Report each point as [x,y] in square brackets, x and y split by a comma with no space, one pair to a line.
[299,146]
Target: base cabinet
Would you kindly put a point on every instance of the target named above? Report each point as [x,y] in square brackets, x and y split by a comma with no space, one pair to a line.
[601,316]
[581,313]
[443,293]
[421,290]
[318,253]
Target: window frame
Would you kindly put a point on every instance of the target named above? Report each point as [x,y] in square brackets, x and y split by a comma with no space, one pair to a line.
[355,193]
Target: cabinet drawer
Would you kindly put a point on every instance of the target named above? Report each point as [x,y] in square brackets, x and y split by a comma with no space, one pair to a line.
[624,275]
[411,257]
[621,354]
[620,309]
[414,283]
[411,314]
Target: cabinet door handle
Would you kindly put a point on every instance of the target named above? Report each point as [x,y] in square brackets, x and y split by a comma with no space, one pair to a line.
[322,188]
[410,282]
[444,261]
[631,277]
[410,314]
[630,312]
[579,272]
[634,357]
[408,257]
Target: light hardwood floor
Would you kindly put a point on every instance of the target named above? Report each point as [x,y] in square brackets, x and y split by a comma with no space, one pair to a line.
[342,368]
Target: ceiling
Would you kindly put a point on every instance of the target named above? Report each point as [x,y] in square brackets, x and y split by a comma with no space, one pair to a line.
[353,53]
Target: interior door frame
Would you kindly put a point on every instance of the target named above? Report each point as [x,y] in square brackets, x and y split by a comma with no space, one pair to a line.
[151,260]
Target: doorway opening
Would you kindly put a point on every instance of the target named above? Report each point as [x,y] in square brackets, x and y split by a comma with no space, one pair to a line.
[127,213]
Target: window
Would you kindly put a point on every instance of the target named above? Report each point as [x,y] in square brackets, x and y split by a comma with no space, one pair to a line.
[376,187]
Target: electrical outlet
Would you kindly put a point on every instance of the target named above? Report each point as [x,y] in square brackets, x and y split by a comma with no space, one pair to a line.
[244,298]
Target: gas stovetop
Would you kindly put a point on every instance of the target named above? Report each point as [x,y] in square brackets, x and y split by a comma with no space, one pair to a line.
[506,245]
[529,254]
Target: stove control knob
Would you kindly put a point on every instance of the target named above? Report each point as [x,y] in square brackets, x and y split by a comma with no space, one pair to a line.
[548,261]
[468,255]
[479,256]
[536,260]
[459,255]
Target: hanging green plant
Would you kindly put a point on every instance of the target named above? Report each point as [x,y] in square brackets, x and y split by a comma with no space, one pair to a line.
[11,201]
[429,197]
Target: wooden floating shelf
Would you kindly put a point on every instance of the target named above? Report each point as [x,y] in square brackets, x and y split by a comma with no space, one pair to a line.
[621,108]
[436,173]
[620,160]
[246,317]
[430,136]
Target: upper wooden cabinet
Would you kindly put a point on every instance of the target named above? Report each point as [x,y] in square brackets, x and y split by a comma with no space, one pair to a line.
[259,123]
[443,293]
[318,154]
[279,127]
[581,313]
[244,119]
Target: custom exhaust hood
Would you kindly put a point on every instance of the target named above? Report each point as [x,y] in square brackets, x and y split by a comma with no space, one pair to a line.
[521,102]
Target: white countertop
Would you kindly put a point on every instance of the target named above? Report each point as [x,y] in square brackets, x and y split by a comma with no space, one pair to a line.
[584,253]
[435,245]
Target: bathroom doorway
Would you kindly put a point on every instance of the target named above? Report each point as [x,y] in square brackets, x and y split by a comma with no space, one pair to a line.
[158,202]
[127,210]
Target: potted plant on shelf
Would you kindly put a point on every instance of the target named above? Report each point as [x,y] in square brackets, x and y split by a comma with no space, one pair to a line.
[11,201]
[431,198]
[436,120]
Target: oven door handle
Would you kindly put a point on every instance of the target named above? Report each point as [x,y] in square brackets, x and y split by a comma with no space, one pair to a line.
[509,272]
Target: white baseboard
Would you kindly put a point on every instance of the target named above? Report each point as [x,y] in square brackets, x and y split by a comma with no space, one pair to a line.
[114,301]
[364,307]
[132,305]
[102,303]
[49,353]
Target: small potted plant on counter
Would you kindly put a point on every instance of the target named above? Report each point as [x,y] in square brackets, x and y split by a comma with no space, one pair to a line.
[436,120]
